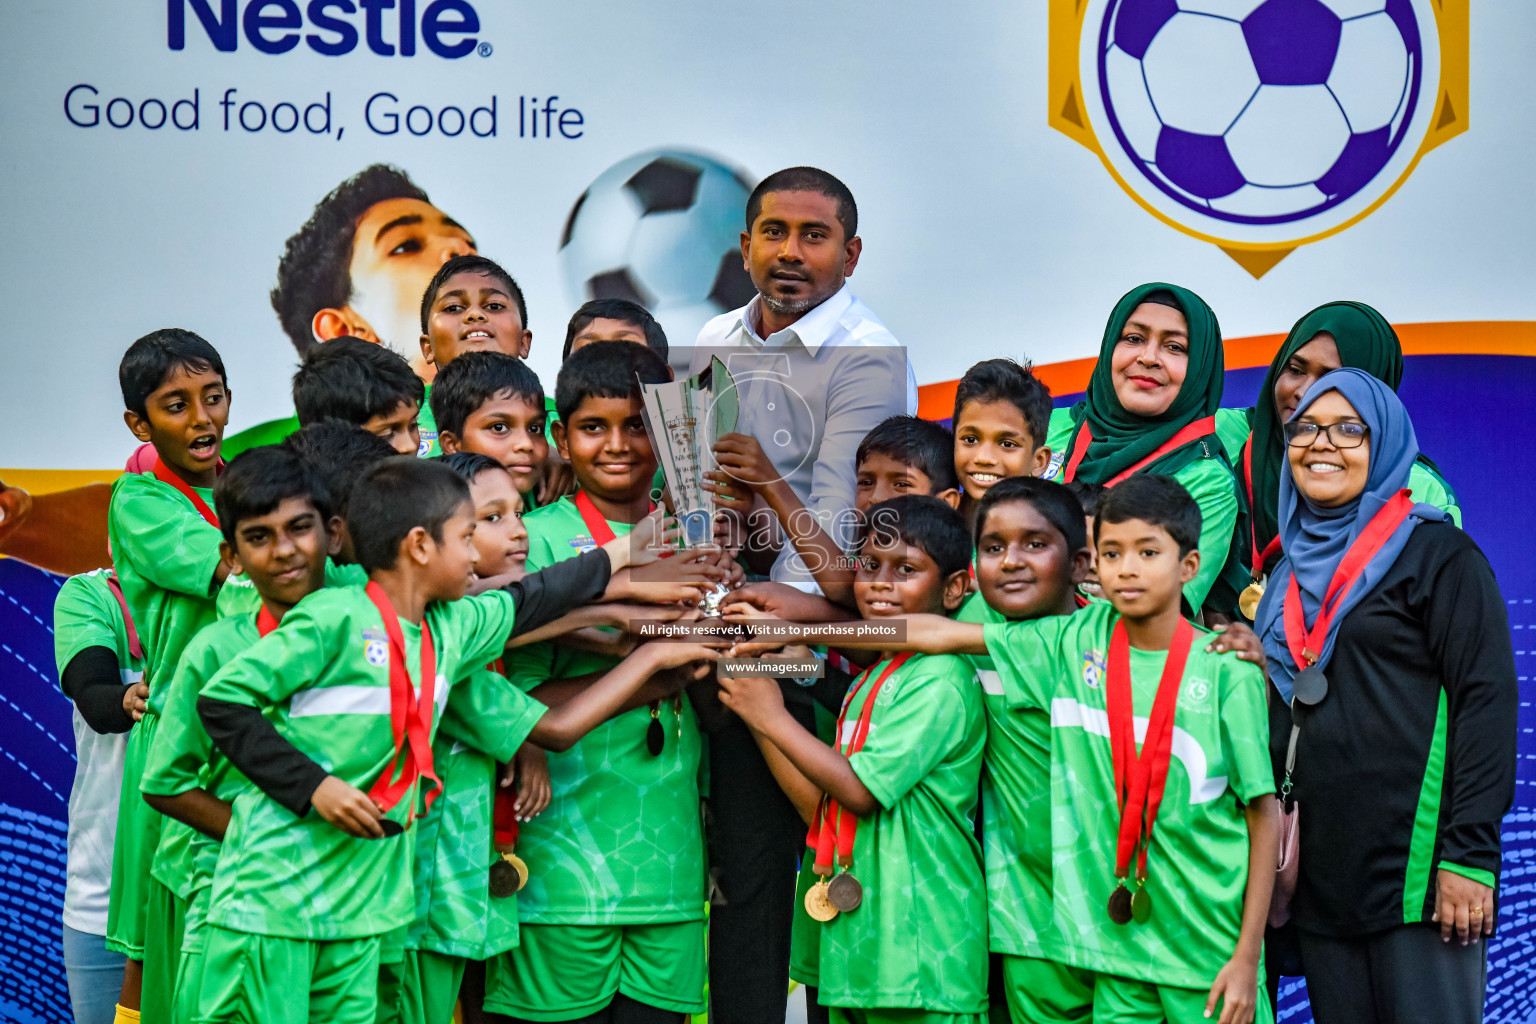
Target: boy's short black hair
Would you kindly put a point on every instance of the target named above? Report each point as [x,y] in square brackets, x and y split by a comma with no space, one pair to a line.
[606,369]
[1003,380]
[1159,500]
[919,443]
[257,481]
[616,309]
[340,452]
[154,357]
[472,263]
[315,271]
[924,522]
[469,465]
[1055,502]
[1088,495]
[393,498]
[475,378]
[353,380]
[807,179]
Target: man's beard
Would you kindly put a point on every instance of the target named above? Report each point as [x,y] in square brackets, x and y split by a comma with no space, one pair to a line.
[793,307]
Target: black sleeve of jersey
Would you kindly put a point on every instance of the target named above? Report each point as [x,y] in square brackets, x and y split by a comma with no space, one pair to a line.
[1469,635]
[544,596]
[93,680]
[254,745]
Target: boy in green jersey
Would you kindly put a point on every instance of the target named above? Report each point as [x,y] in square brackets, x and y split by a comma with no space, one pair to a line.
[901,789]
[470,305]
[1002,412]
[613,912]
[300,901]
[1194,906]
[340,453]
[165,547]
[492,403]
[356,381]
[278,531]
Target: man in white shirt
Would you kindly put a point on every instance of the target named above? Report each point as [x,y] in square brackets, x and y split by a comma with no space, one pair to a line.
[815,368]
[816,371]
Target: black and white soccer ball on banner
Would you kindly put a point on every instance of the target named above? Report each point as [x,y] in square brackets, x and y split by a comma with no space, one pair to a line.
[663,229]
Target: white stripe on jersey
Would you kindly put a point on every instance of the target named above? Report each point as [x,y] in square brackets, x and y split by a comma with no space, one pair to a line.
[1067,713]
[354,700]
[991,682]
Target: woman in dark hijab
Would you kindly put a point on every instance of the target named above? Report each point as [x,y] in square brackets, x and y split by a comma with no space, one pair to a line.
[1334,335]
[1388,638]
[1149,409]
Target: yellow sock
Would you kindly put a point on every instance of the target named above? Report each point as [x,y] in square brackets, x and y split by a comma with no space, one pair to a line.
[126,1016]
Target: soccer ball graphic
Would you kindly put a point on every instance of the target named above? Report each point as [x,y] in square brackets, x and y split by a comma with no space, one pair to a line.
[1261,112]
[661,228]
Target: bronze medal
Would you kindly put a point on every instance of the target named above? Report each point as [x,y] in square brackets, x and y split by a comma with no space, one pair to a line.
[391,827]
[1248,600]
[655,736]
[816,903]
[1141,903]
[1120,904]
[845,893]
[503,879]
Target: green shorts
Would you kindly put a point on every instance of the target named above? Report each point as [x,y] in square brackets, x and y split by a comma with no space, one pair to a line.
[133,848]
[805,932]
[164,920]
[421,989]
[263,979]
[564,972]
[189,970]
[1119,1000]
[888,1015]
[1046,991]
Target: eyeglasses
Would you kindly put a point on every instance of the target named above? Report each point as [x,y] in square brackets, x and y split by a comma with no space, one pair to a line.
[1302,434]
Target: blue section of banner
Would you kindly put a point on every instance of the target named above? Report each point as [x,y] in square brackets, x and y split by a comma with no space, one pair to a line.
[1470,415]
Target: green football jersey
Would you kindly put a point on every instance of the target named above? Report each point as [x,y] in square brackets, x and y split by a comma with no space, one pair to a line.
[1198,863]
[1210,481]
[325,674]
[1424,484]
[919,938]
[1015,811]
[165,555]
[86,614]
[238,594]
[456,915]
[622,840]
[805,930]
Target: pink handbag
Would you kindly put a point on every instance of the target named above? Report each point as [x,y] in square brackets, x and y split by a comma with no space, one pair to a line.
[1289,867]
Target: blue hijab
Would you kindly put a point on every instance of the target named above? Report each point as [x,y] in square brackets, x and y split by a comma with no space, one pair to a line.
[1316,539]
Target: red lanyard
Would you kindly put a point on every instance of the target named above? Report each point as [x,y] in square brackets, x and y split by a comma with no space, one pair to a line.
[1306,645]
[266,622]
[1192,432]
[1139,780]
[831,824]
[1260,558]
[410,717]
[135,647]
[165,476]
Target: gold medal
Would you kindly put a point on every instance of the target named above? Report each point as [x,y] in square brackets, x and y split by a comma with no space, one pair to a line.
[845,893]
[1120,904]
[1248,600]
[1141,902]
[817,904]
[508,875]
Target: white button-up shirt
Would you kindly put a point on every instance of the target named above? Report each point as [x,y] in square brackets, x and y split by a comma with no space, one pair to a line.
[809,394]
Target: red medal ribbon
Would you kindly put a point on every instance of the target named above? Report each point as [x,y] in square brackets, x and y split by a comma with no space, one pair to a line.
[504,801]
[165,476]
[410,716]
[266,622]
[831,826]
[1140,779]
[135,646]
[1260,558]
[1306,645]
[1193,432]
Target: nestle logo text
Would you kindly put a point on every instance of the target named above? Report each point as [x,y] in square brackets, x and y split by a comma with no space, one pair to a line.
[389,27]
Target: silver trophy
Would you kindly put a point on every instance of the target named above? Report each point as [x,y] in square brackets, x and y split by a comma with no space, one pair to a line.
[684,420]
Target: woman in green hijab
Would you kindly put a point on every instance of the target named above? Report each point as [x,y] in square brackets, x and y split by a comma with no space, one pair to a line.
[1149,409]
[1334,335]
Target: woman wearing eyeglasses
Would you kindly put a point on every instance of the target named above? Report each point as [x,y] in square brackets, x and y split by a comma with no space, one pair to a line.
[1388,638]
[1334,335]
